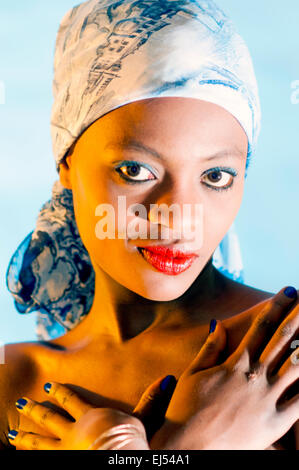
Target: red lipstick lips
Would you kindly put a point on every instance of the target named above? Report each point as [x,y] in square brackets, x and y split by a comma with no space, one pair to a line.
[167,260]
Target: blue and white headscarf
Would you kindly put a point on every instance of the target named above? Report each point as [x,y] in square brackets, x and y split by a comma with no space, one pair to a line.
[108,54]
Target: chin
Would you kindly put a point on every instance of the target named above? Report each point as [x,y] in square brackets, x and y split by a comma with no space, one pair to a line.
[162,291]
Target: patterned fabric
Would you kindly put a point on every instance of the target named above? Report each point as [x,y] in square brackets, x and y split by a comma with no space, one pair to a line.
[51,270]
[108,54]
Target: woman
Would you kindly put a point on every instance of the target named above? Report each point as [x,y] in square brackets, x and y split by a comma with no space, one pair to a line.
[139,113]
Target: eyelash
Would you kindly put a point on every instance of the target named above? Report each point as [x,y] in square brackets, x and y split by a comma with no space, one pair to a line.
[218,169]
[131,163]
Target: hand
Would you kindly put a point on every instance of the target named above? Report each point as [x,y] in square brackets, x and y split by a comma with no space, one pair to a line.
[97,428]
[237,404]
[93,428]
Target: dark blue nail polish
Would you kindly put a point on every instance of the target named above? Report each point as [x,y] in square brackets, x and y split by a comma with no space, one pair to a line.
[213,324]
[166,382]
[47,387]
[290,292]
[21,403]
[12,434]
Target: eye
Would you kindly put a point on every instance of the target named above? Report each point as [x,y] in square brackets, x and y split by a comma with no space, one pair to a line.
[134,172]
[220,178]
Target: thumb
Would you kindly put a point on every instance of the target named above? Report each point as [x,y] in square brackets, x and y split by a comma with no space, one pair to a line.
[210,352]
[154,402]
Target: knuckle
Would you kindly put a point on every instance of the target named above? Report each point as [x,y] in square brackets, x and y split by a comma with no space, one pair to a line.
[150,396]
[211,346]
[49,413]
[286,331]
[264,322]
[58,390]
[67,397]
[255,372]
[279,302]
[63,394]
[34,443]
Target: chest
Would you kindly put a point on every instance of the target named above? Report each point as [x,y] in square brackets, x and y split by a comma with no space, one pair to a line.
[110,377]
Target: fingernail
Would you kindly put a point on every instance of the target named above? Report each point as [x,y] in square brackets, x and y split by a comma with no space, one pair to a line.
[166,382]
[47,387]
[21,403]
[290,292]
[213,324]
[12,434]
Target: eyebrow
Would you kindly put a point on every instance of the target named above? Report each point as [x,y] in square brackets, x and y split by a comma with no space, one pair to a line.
[135,145]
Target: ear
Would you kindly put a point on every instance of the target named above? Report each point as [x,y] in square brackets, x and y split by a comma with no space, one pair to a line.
[65,173]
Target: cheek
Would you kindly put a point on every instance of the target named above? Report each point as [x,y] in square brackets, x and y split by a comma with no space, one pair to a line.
[89,193]
[220,212]
[92,197]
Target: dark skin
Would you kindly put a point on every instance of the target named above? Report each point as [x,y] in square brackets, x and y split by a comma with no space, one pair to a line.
[127,340]
[29,365]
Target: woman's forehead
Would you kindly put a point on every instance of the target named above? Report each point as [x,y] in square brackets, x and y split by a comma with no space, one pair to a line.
[164,120]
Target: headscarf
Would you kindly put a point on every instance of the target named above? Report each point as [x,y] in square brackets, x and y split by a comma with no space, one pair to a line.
[108,54]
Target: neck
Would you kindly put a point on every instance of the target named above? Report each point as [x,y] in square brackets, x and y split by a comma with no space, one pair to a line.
[121,314]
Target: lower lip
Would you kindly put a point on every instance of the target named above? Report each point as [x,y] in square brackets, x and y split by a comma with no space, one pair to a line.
[165,264]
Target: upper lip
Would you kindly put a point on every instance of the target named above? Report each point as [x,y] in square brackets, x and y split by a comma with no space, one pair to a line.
[170,251]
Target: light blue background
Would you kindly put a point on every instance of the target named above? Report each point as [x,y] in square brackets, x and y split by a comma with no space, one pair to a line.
[267,223]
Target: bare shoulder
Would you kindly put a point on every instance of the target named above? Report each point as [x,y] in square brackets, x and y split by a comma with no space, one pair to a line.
[17,371]
[240,297]
[251,293]
[245,303]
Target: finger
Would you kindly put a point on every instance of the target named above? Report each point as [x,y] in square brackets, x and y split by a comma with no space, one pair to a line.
[280,341]
[266,322]
[48,418]
[67,399]
[29,441]
[290,410]
[287,374]
[211,350]
[154,402]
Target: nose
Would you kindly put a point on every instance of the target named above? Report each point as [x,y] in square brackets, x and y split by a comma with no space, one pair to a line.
[180,209]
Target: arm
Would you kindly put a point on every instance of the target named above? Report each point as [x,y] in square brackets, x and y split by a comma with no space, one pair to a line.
[105,428]
[236,405]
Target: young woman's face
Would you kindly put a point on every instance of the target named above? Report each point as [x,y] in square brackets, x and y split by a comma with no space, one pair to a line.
[110,160]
